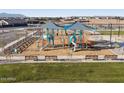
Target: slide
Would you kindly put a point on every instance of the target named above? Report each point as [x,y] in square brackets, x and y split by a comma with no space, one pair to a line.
[74,45]
[73,41]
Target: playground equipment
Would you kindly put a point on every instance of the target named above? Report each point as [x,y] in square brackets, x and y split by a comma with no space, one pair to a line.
[49,35]
[77,38]
[79,31]
[72,40]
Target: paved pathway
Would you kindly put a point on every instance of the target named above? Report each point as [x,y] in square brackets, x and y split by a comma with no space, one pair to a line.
[82,61]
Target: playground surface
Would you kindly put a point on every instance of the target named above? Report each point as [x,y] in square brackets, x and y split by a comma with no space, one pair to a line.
[60,51]
[32,50]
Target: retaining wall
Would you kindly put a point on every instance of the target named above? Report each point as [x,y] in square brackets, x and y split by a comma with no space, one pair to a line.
[62,58]
[20,44]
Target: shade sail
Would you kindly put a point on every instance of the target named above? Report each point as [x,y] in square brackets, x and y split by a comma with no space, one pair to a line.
[80,26]
[50,25]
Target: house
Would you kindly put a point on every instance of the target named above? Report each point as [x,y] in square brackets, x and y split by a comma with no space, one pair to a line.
[12,22]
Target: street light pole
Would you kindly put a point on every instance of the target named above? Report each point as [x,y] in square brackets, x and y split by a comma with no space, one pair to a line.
[111,35]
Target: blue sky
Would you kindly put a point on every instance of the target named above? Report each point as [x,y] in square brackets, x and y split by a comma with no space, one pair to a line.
[65,12]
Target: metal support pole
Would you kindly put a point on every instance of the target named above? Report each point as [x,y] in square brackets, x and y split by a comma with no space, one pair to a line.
[53,36]
[119,28]
[42,39]
[63,39]
[111,35]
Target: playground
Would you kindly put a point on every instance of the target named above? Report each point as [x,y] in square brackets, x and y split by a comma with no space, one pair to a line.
[76,39]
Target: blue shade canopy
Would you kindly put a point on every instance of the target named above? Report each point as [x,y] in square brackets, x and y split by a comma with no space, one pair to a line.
[50,25]
[67,26]
[80,26]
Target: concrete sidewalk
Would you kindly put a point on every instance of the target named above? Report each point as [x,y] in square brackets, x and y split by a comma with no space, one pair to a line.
[83,61]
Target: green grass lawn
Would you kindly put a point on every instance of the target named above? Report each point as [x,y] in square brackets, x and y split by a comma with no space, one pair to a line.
[113,32]
[62,72]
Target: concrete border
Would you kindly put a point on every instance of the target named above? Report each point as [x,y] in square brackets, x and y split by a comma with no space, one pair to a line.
[60,58]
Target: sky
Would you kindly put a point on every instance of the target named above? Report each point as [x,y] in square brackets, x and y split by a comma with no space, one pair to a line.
[64,12]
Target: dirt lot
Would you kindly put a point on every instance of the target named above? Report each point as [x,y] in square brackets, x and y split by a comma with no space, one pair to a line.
[105,21]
